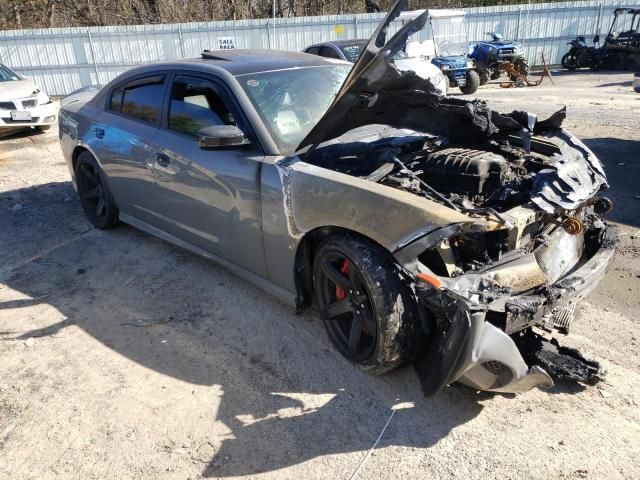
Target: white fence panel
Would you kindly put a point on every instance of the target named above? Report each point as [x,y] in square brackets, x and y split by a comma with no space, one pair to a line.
[62,60]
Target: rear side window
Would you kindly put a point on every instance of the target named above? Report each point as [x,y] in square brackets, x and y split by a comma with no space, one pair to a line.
[329,53]
[313,50]
[196,104]
[140,99]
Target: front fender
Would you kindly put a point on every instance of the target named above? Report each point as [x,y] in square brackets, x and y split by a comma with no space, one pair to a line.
[317,197]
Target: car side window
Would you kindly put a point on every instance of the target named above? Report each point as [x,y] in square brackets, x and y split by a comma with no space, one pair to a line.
[313,50]
[140,99]
[196,104]
[329,52]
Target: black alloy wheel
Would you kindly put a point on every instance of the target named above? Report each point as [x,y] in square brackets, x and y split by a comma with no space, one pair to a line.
[94,193]
[366,303]
[346,307]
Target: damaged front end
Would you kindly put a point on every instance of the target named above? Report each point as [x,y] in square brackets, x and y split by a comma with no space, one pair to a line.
[532,242]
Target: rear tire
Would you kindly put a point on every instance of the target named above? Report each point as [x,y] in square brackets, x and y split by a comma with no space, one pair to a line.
[484,77]
[367,307]
[473,83]
[94,193]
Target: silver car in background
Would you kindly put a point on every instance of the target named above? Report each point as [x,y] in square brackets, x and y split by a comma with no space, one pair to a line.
[425,229]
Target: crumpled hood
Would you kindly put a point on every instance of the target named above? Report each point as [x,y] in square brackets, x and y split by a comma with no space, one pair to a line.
[13,89]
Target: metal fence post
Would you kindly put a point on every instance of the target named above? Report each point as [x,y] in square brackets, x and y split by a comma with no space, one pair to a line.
[180,40]
[599,19]
[355,27]
[93,57]
[268,34]
[518,24]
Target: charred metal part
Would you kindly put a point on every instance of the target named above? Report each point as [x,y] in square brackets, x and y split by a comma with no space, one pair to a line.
[554,122]
[563,363]
[570,178]
[561,318]
[407,253]
[603,205]
[572,226]
[449,334]
[523,312]
[464,347]
[561,252]
[425,184]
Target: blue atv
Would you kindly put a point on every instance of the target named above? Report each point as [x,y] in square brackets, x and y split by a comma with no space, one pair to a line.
[491,57]
[459,72]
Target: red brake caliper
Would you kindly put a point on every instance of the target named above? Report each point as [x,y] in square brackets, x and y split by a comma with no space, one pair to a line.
[344,269]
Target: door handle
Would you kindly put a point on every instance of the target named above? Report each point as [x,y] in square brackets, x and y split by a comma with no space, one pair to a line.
[162,159]
[98,132]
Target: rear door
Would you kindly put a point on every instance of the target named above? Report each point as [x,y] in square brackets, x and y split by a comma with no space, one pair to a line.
[122,142]
[210,198]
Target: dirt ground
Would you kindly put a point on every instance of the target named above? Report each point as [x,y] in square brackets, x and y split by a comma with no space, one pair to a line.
[122,356]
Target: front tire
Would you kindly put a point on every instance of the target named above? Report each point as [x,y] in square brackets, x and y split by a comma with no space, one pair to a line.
[94,193]
[569,61]
[367,307]
[473,83]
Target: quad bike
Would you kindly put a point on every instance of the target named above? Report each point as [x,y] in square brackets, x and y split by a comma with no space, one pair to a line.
[580,55]
[492,57]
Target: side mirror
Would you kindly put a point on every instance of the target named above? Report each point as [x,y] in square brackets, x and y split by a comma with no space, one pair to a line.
[221,136]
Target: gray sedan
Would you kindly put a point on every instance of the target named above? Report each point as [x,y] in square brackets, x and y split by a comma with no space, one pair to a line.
[425,229]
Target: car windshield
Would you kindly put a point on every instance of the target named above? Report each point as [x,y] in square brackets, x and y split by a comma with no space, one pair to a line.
[8,75]
[450,36]
[352,52]
[290,102]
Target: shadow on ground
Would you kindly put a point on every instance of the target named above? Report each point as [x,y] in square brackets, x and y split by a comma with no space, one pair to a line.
[621,161]
[115,285]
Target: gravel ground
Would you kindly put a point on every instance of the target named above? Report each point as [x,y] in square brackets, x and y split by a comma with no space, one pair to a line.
[122,356]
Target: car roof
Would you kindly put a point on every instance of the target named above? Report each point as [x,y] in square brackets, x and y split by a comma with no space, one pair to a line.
[241,62]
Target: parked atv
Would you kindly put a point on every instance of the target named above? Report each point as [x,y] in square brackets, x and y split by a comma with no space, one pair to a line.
[491,56]
[581,55]
[459,72]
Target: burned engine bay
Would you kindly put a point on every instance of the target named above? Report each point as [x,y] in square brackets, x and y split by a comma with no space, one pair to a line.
[534,223]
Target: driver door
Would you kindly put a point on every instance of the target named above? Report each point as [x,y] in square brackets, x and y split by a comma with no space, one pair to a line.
[209,198]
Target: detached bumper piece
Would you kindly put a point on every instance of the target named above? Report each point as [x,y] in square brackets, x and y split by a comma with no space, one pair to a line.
[466,347]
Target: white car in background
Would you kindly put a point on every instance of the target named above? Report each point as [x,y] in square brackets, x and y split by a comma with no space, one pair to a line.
[23,103]
[350,50]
